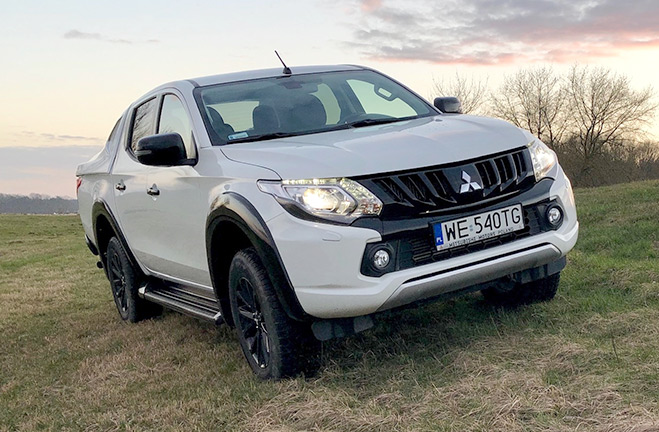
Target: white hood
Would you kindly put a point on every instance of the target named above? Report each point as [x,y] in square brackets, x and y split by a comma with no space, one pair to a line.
[379,149]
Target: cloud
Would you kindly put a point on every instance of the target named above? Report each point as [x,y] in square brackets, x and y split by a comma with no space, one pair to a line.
[70,138]
[487,32]
[76,34]
[370,5]
[50,139]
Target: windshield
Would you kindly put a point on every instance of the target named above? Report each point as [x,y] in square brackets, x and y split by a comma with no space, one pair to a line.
[302,104]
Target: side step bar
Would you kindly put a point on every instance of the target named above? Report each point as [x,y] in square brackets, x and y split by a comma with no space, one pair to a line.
[180,300]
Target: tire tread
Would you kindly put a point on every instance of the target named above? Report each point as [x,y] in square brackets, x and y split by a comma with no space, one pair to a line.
[138,308]
[297,346]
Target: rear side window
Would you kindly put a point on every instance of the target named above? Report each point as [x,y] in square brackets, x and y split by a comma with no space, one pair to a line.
[174,119]
[143,122]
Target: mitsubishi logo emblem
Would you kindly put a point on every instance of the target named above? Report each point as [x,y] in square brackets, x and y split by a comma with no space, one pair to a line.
[468,185]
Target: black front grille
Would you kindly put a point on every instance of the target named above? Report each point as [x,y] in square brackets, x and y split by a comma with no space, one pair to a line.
[417,246]
[422,249]
[435,189]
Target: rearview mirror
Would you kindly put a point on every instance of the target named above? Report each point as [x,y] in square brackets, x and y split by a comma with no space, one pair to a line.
[384,93]
[448,105]
[162,150]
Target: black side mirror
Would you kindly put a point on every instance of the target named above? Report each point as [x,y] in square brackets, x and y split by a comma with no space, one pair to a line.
[162,150]
[448,105]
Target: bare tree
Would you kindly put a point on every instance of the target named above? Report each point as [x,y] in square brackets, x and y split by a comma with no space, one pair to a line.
[592,117]
[533,99]
[605,111]
[471,92]
[646,156]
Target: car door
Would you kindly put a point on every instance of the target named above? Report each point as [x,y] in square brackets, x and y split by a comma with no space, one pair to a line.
[176,211]
[129,179]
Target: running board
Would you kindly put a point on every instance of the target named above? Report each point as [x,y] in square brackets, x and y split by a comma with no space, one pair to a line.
[180,300]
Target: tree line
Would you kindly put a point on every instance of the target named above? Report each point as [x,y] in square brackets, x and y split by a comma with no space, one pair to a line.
[591,117]
[37,204]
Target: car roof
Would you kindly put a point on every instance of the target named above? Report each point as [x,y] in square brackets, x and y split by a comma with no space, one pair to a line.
[257,74]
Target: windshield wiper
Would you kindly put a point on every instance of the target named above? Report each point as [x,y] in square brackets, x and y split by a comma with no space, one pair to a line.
[263,137]
[370,122]
[355,124]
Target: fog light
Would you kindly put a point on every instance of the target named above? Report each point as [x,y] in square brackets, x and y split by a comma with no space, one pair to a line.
[381,259]
[554,216]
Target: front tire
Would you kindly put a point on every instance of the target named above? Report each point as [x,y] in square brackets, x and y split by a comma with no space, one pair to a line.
[520,294]
[124,282]
[274,345]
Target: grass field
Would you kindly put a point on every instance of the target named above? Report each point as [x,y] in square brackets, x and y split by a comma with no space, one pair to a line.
[587,361]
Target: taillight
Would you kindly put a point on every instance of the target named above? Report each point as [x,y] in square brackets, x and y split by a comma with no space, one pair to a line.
[78,183]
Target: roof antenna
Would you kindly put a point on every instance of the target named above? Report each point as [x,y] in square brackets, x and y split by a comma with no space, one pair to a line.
[287,70]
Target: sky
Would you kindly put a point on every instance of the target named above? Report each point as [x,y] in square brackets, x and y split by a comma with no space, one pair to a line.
[70,68]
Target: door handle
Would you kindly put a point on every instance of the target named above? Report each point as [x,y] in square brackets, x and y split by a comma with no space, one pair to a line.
[153,190]
[120,186]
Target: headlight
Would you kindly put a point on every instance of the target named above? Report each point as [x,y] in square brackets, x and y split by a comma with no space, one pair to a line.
[543,158]
[339,199]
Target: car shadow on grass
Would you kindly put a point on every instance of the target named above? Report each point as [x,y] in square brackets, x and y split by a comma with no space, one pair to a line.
[426,338]
[408,340]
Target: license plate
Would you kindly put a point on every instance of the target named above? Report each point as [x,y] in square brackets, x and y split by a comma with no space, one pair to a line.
[470,229]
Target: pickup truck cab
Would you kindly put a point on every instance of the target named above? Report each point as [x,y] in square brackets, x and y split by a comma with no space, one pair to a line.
[295,205]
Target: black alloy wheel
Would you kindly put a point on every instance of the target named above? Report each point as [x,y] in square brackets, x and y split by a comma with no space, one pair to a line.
[275,345]
[252,323]
[118,283]
[124,282]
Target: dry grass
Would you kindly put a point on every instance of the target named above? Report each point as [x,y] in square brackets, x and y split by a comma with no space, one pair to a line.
[480,395]
[588,361]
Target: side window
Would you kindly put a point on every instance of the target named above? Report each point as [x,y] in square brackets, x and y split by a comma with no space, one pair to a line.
[174,119]
[380,100]
[143,122]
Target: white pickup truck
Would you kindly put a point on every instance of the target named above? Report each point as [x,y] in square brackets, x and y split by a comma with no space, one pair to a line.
[295,205]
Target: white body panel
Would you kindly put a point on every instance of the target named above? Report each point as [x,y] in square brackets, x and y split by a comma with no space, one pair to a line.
[323,262]
[182,234]
[380,149]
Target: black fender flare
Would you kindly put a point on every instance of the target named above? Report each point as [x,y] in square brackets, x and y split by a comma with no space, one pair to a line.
[101,208]
[234,208]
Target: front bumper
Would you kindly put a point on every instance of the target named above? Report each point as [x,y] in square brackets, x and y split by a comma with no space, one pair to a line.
[324,262]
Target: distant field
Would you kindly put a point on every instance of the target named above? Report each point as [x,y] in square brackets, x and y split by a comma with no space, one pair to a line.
[588,361]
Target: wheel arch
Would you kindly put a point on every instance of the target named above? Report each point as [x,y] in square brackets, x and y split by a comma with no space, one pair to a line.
[105,227]
[234,224]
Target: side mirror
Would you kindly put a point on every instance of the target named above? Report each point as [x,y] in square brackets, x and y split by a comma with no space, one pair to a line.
[162,150]
[448,105]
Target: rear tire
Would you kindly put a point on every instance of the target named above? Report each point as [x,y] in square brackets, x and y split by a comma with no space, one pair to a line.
[124,282]
[520,294]
[274,345]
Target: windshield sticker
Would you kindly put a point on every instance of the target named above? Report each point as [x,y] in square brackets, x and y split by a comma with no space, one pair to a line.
[238,135]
